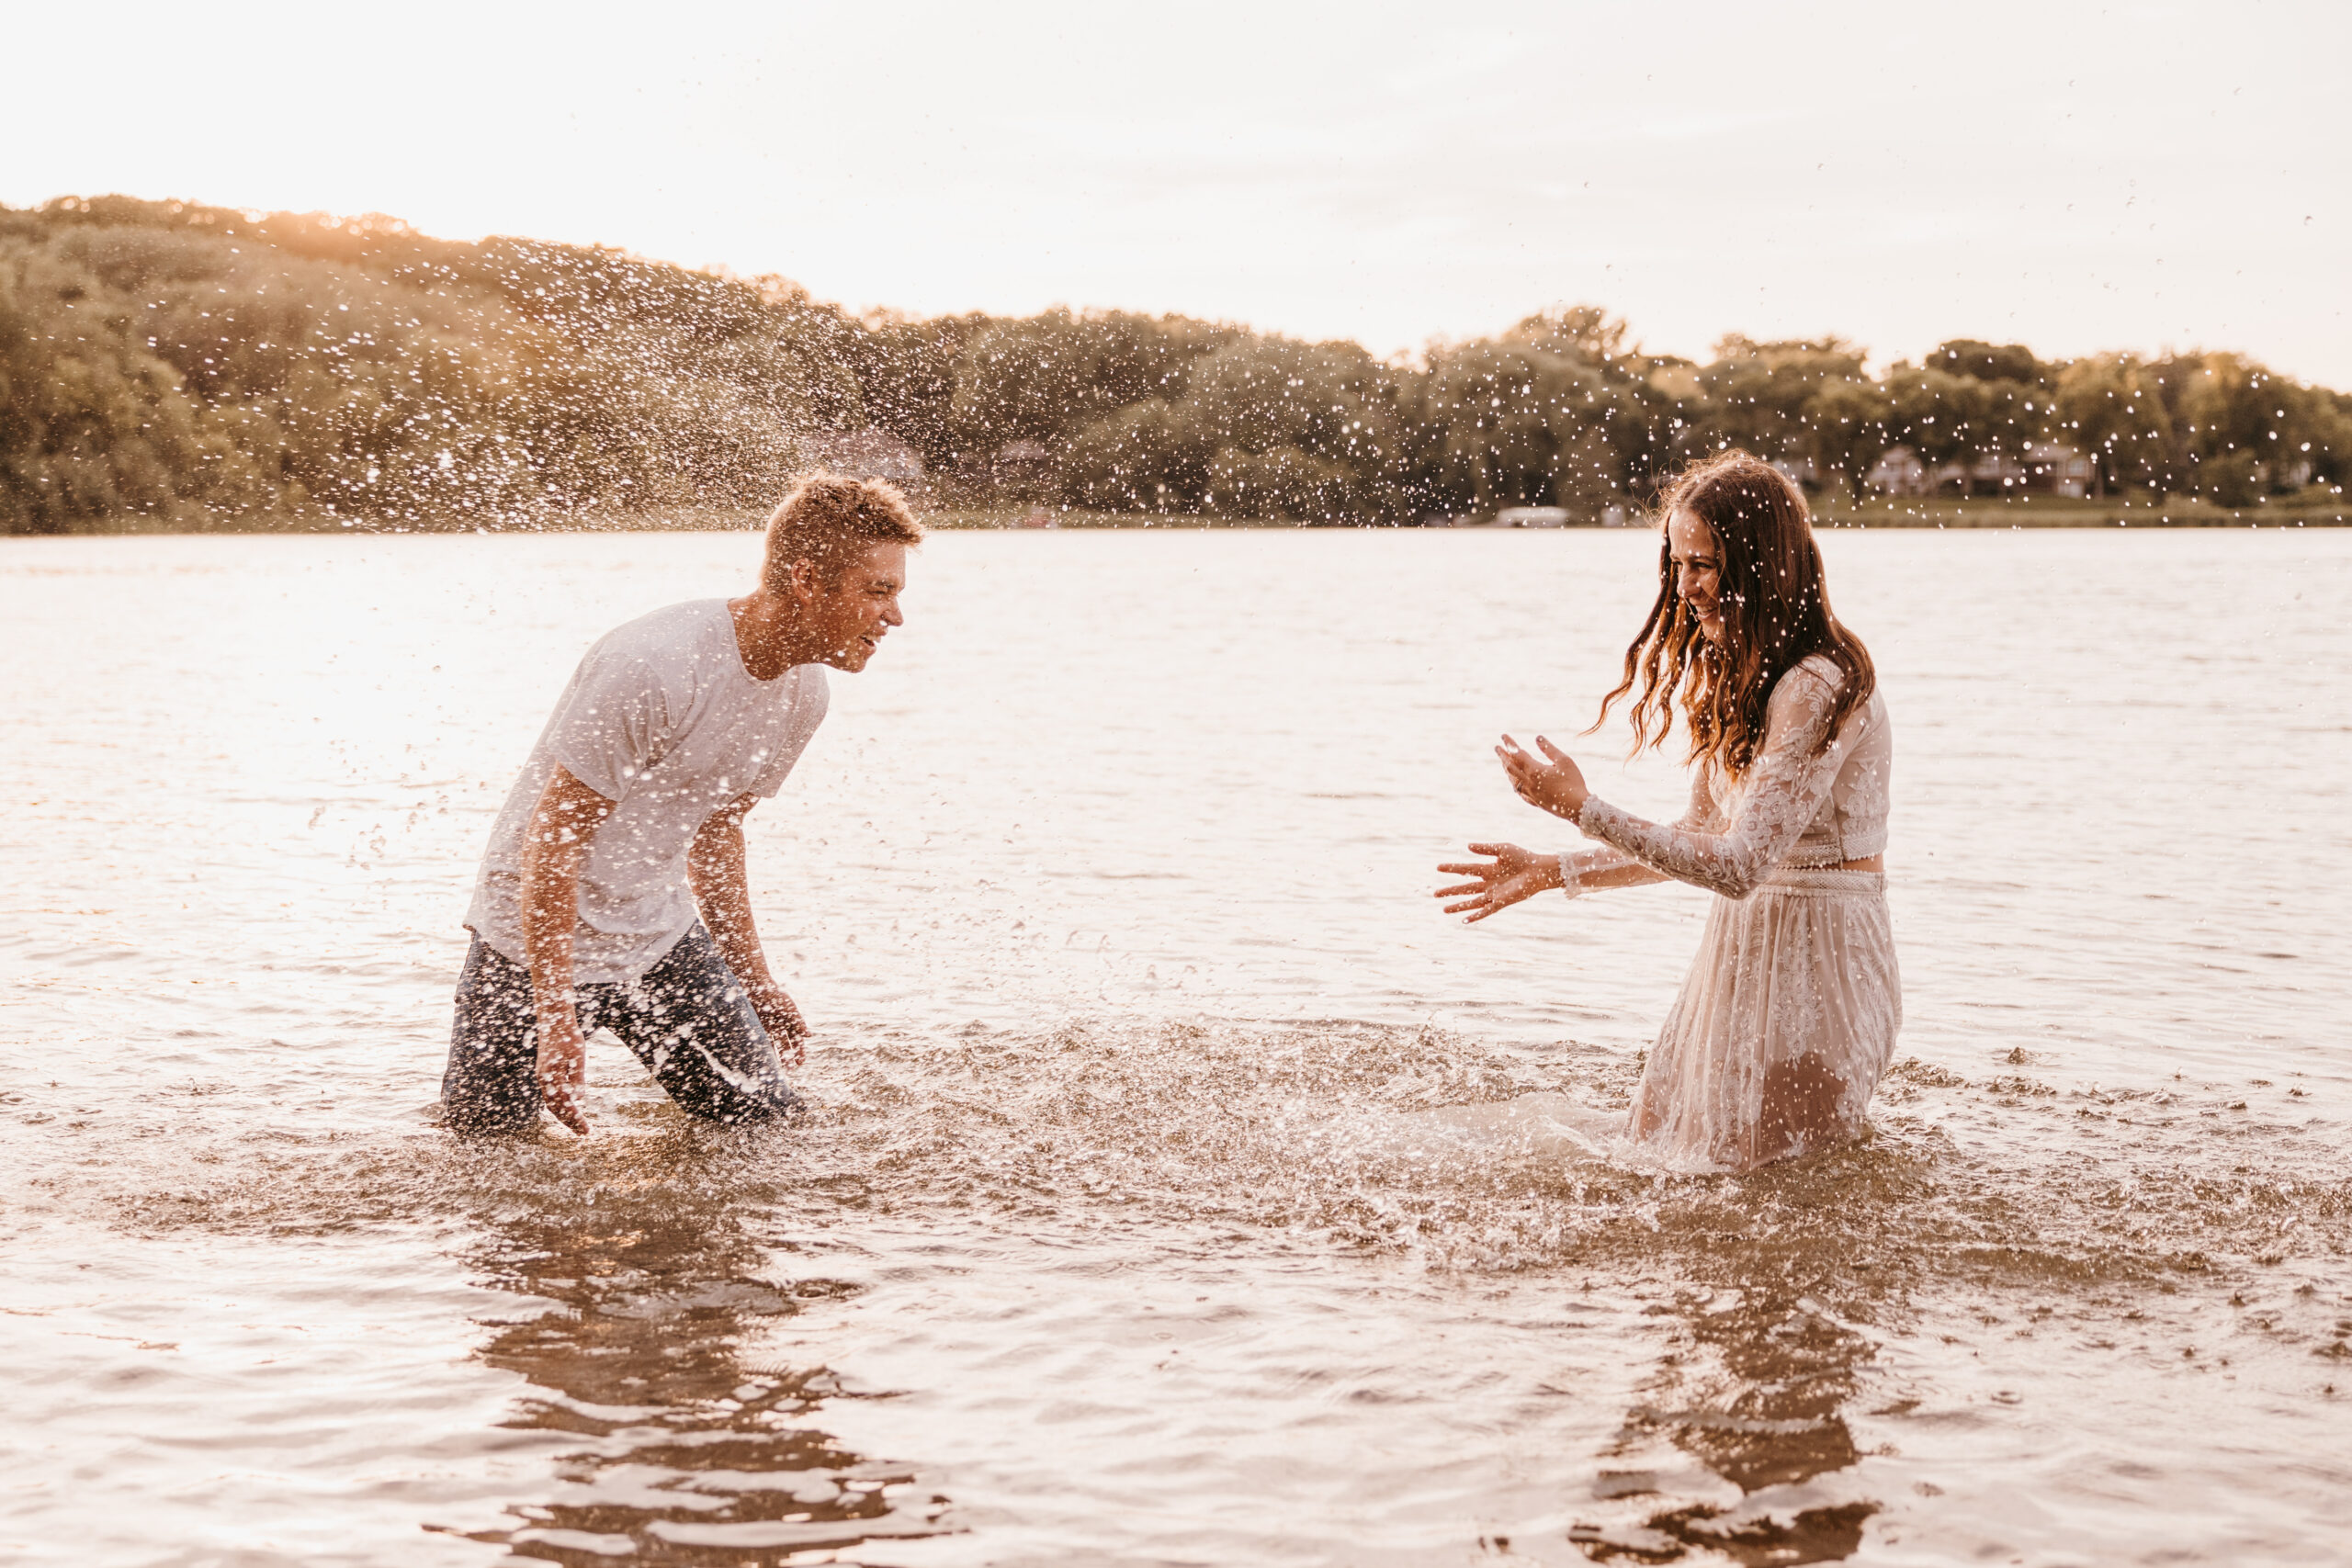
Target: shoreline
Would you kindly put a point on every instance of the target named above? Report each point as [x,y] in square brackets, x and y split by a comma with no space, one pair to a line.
[2040,513]
[2304,511]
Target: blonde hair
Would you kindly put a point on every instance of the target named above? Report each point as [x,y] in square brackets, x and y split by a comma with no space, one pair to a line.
[830,520]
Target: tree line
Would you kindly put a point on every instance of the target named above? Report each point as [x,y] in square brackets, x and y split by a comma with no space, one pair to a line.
[167,364]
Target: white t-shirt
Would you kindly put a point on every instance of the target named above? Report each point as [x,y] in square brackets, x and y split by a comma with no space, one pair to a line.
[662,719]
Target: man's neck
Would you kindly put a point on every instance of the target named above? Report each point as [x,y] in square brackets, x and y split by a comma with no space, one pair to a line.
[769,634]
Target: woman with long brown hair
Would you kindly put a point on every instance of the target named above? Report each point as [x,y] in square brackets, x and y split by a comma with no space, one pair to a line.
[1790,1009]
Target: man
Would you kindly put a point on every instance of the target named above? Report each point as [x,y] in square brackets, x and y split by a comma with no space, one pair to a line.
[628,821]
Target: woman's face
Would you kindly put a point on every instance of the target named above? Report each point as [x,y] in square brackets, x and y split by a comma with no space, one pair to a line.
[1698,569]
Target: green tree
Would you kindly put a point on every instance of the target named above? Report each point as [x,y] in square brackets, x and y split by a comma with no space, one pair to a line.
[95,426]
[2246,433]
[2114,407]
[1761,395]
[1987,361]
[172,364]
[1944,418]
[1849,426]
[1553,412]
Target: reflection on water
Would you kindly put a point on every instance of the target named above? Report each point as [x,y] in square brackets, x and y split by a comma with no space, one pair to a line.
[688,1453]
[1755,1390]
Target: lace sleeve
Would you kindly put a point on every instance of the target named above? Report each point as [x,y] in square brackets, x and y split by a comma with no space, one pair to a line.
[1577,864]
[1785,789]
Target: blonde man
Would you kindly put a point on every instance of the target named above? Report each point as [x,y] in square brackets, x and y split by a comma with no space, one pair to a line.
[612,892]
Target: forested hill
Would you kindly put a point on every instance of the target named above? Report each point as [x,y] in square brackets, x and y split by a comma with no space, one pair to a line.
[168,365]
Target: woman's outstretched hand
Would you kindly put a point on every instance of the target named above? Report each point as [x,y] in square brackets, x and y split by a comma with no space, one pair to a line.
[1556,786]
[1496,885]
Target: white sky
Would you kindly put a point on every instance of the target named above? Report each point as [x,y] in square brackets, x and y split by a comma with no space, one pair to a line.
[2076,177]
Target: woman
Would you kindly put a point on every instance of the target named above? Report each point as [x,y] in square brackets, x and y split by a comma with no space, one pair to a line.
[1789,1011]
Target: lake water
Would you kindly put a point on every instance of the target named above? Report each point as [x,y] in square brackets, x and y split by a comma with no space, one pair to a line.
[1124,1233]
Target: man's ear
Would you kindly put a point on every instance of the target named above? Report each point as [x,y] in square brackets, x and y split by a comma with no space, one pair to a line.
[806,582]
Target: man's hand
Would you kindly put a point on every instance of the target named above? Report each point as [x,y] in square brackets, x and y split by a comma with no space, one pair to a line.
[563,1067]
[715,869]
[781,1017]
[1556,786]
[1514,874]
[561,831]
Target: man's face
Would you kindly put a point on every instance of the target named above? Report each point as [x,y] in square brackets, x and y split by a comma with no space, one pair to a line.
[852,615]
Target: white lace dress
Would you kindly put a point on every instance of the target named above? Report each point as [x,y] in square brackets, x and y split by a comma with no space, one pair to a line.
[1790,1012]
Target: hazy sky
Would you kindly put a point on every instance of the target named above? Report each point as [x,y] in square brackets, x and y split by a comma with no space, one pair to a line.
[2077,178]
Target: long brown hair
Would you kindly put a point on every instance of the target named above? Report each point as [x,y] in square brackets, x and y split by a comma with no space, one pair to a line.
[1775,606]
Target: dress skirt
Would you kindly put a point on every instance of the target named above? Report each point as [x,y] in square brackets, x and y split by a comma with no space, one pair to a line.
[1779,1033]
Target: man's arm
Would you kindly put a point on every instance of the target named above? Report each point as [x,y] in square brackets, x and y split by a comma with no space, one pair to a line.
[715,869]
[555,848]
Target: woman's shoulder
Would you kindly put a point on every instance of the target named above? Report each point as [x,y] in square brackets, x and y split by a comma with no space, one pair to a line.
[1814,677]
[1808,692]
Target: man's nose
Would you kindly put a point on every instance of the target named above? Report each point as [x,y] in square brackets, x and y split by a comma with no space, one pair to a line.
[890,616]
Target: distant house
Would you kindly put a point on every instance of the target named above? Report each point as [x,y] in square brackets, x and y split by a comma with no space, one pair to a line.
[866,453]
[1994,472]
[1898,471]
[2046,466]
[1532,517]
[1023,465]
[2059,469]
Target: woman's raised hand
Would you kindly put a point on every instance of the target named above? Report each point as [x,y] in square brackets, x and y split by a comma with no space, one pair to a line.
[1496,885]
[1556,786]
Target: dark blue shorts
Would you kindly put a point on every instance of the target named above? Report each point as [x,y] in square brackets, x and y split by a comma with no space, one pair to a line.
[686,1018]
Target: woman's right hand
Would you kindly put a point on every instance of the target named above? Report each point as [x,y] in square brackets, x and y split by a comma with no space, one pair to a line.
[1496,885]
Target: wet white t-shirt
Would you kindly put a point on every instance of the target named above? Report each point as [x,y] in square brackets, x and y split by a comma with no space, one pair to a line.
[662,719]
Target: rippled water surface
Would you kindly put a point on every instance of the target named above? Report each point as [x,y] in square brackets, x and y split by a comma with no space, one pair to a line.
[1166,1202]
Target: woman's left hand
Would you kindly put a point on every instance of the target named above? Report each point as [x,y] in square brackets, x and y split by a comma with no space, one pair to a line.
[1556,786]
